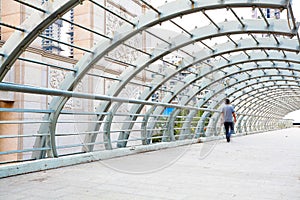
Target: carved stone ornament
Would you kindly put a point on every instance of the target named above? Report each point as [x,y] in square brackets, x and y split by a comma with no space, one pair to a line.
[56,77]
[122,53]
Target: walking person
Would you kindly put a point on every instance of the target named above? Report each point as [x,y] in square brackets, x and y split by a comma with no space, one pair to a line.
[229,118]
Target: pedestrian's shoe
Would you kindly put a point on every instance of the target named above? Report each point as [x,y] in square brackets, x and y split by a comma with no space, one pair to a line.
[228,139]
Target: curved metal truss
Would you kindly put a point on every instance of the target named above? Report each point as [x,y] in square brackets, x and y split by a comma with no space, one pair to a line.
[137,83]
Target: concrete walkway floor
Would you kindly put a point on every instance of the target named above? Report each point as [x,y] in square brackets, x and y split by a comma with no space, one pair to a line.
[263,166]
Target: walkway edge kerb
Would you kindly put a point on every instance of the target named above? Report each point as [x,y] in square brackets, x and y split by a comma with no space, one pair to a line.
[53,163]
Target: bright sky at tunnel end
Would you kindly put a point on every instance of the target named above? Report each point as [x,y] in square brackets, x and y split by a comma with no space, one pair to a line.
[296,114]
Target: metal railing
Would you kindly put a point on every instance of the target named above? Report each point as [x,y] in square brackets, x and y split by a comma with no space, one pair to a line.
[77,123]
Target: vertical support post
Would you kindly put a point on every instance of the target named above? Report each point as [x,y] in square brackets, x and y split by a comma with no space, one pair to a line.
[145,139]
[106,134]
[170,126]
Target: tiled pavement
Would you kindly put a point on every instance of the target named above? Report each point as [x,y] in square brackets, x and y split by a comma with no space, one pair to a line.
[262,167]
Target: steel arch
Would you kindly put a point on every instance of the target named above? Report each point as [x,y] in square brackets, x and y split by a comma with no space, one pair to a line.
[200,125]
[128,31]
[224,64]
[186,8]
[262,86]
[33,26]
[247,44]
[287,68]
